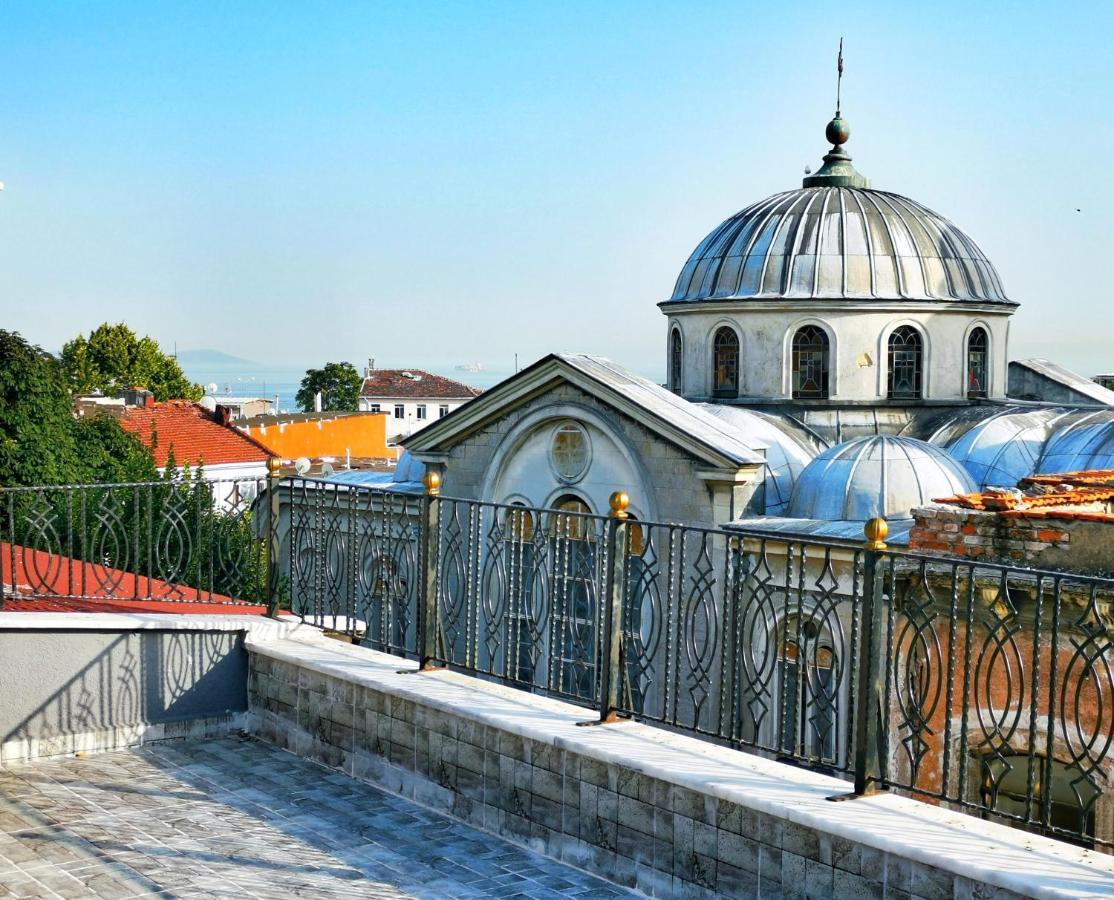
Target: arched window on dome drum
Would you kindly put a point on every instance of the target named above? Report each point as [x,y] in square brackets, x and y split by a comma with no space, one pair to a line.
[810,364]
[906,371]
[675,351]
[725,363]
[977,375]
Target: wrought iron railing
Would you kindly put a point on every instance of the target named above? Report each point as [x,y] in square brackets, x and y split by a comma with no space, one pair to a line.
[983,687]
[187,540]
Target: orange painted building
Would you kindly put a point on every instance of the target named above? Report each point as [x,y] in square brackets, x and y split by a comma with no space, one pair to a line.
[314,435]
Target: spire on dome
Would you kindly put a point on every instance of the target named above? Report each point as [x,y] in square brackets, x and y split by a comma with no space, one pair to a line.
[837,170]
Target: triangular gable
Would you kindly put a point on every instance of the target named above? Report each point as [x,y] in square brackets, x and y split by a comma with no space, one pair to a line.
[662,412]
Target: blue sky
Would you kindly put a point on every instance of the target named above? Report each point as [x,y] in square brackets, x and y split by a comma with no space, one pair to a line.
[435,183]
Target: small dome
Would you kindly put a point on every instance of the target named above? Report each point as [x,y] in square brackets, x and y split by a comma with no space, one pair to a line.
[833,242]
[876,476]
[1086,442]
[786,458]
[1001,450]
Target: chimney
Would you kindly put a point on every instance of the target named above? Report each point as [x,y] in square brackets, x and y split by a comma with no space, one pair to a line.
[370,367]
[317,403]
[149,400]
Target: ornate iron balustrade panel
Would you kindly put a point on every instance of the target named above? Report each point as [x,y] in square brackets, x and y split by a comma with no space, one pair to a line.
[354,560]
[749,641]
[999,695]
[519,595]
[188,540]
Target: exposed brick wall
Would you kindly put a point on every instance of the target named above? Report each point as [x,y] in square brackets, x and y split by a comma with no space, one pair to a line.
[977,534]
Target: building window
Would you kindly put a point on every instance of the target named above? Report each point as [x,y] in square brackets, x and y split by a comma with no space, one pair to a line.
[526,593]
[977,346]
[575,580]
[675,351]
[400,411]
[810,364]
[725,363]
[570,452]
[806,656]
[421,411]
[442,410]
[374,408]
[906,364]
[1071,795]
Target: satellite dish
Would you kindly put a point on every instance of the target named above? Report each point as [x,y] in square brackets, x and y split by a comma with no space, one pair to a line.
[211,387]
[327,470]
[302,465]
[208,403]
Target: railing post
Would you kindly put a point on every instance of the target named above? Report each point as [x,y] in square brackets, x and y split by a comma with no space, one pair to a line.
[430,553]
[274,464]
[872,668]
[615,588]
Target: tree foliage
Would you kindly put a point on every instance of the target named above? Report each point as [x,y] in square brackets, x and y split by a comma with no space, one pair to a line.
[112,358]
[339,385]
[40,440]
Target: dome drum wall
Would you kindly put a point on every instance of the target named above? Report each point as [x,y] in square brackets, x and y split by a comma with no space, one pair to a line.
[858,352]
[856,263]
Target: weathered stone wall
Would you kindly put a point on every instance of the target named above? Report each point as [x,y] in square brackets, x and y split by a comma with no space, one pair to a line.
[648,832]
[1043,540]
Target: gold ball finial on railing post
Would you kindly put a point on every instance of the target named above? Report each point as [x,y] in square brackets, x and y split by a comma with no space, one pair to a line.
[875,531]
[619,502]
[432,482]
[273,466]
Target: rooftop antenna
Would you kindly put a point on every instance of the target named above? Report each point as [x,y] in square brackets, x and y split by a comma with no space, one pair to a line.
[839,75]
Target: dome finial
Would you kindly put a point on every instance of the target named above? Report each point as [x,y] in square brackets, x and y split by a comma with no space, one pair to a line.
[837,170]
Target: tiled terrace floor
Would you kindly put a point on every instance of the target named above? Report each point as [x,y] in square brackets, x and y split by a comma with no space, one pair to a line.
[235,817]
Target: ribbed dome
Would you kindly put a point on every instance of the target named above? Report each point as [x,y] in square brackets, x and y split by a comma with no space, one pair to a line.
[1001,450]
[833,242]
[1085,442]
[876,476]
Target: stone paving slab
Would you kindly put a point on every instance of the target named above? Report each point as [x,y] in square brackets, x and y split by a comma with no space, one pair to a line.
[234,817]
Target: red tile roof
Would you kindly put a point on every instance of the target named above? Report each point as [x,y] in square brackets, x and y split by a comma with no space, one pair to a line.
[415,383]
[192,432]
[42,582]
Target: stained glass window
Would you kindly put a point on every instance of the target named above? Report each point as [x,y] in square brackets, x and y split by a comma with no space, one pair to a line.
[810,363]
[977,345]
[725,363]
[906,361]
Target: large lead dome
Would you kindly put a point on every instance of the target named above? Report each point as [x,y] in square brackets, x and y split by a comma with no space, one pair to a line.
[829,242]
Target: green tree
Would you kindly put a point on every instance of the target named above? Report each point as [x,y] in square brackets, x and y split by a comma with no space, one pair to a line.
[112,358]
[36,416]
[339,385]
[40,440]
[106,454]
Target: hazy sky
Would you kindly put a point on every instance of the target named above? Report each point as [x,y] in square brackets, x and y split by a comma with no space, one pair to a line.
[435,183]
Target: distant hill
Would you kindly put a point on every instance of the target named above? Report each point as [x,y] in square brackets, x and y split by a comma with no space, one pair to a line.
[213,359]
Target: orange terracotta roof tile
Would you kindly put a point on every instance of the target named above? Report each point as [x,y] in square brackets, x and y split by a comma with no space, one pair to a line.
[192,433]
[1081,496]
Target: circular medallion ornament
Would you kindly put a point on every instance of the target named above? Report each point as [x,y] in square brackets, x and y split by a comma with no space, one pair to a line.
[570,452]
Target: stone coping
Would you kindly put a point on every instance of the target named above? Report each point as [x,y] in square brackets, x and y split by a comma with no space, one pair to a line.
[953,842]
[260,627]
